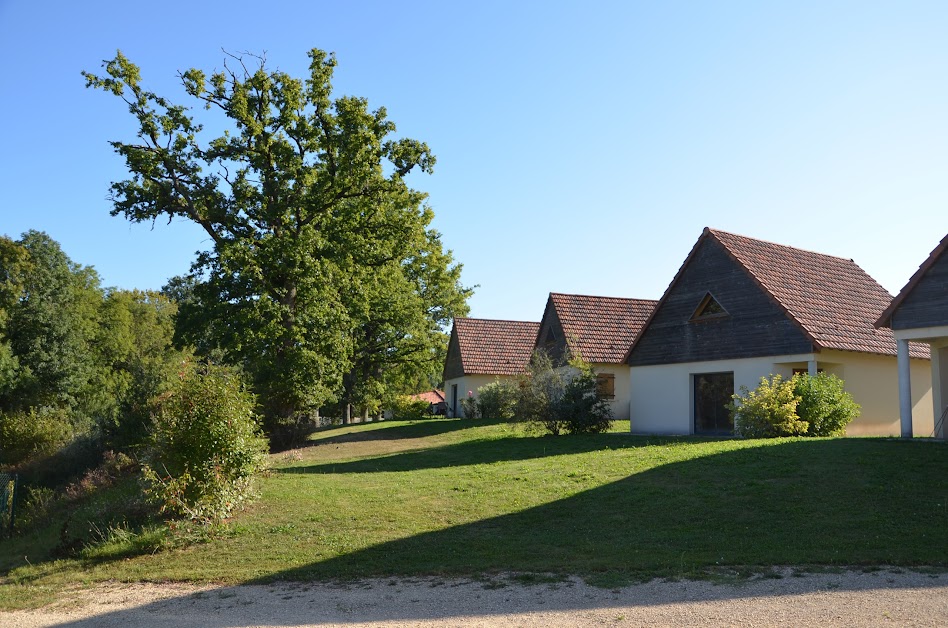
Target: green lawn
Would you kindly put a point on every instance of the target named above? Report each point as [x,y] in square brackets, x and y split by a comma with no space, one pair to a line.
[459,497]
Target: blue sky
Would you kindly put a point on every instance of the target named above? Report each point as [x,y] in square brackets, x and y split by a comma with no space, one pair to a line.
[581,147]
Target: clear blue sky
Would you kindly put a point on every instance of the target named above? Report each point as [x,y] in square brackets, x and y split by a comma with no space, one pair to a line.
[581,147]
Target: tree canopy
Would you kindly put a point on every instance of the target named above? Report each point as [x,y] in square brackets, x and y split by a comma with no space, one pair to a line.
[325,276]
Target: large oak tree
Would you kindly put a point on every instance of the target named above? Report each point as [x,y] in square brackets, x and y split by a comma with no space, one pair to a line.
[313,226]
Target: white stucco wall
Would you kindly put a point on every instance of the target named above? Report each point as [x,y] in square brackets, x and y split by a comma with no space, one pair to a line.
[620,404]
[468,383]
[661,395]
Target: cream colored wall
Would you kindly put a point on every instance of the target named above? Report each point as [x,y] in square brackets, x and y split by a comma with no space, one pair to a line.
[873,381]
[468,383]
[620,404]
[661,395]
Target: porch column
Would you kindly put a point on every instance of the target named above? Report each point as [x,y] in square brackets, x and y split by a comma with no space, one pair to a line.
[811,368]
[905,388]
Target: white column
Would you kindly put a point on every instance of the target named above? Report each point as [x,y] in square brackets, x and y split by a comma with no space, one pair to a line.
[905,388]
[811,368]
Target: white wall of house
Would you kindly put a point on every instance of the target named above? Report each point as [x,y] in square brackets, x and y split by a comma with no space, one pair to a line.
[661,395]
[619,404]
[468,383]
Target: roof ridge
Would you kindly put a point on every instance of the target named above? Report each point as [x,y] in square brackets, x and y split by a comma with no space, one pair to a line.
[783,246]
[597,296]
[493,320]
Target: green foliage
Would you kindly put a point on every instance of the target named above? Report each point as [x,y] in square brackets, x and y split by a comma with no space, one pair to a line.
[768,411]
[801,406]
[498,400]
[325,281]
[408,408]
[205,445]
[824,404]
[562,399]
[31,434]
[469,406]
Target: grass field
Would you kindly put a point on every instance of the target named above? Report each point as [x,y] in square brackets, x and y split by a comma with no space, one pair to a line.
[460,497]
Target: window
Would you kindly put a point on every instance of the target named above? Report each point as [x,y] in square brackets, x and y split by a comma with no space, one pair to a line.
[606,385]
[712,394]
[709,308]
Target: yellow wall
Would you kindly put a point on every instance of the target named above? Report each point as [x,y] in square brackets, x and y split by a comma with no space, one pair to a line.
[468,383]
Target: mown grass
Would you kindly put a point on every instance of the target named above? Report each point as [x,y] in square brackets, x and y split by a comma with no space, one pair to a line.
[464,498]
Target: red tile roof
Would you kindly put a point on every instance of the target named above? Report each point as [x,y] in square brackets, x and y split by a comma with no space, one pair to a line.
[833,300]
[492,347]
[434,397]
[886,318]
[600,329]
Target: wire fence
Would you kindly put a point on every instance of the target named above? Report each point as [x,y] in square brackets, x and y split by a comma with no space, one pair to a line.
[8,488]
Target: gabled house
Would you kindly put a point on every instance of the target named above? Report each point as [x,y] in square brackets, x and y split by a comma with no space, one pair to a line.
[740,309]
[920,313]
[481,351]
[600,330]
[435,400]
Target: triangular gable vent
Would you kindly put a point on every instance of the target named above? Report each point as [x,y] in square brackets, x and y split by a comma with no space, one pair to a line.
[708,308]
[550,336]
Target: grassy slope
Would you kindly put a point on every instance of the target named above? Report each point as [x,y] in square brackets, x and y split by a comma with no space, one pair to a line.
[462,497]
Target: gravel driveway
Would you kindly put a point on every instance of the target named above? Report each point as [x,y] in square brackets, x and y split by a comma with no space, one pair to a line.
[850,598]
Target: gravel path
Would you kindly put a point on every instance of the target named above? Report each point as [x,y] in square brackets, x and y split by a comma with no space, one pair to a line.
[852,598]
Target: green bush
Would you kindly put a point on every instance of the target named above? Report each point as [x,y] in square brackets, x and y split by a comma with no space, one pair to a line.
[470,407]
[562,399]
[498,400]
[801,406]
[768,411]
[824,404]
[206,445]
[408,408]
[32,434]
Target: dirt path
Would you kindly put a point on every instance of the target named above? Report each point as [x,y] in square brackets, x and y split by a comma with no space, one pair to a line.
[853,598]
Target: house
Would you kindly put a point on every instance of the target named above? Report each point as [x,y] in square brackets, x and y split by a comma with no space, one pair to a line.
[481,351]
[740,309]
[920,313]
[600,330]
[435,399]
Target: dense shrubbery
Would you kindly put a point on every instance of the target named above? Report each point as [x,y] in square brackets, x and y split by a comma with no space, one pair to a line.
[206,445]
[470,407]
[562,400]
[498,400]
[408,408]
[800,406]
[824,404]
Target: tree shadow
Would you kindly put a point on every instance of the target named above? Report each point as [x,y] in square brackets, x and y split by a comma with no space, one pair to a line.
[382,431]
[486,451]
[836,503]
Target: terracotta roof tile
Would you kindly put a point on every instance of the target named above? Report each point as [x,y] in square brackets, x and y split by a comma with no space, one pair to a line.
[492,347]
[434,397]
[834,300]
[601,329]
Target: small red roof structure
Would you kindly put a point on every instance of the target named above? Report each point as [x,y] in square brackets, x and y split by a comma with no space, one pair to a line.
[599,329]
[434,397]
[489,347]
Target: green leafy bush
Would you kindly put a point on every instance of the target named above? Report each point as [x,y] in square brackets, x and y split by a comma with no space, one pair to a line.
[33,433]
[801,406]
[562,399]
[498,400]
[206,445]
[470,407]
[824,404]
[408,408]
[768,411]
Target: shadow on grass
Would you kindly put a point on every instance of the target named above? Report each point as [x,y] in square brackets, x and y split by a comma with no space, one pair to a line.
[485,451]
[838,503]
[384,431]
